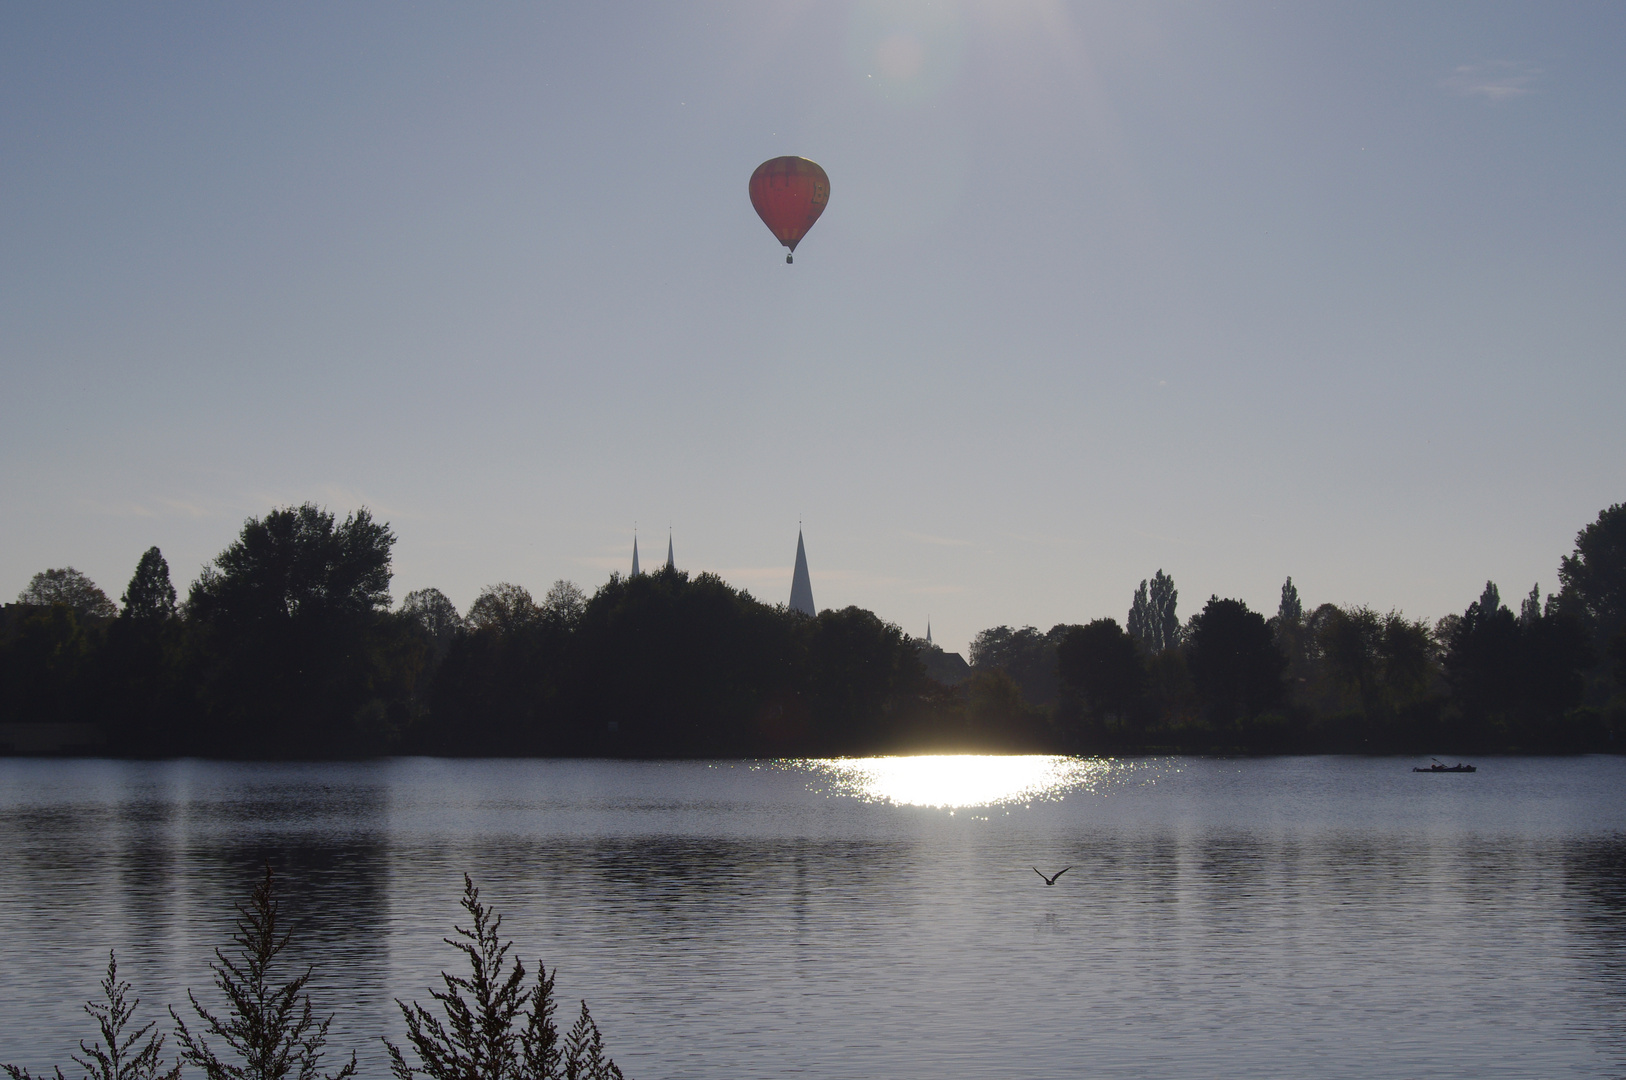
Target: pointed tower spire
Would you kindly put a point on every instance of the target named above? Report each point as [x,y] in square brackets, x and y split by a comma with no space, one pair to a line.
[635,553]
[670,565]
[801,586]
[928,629]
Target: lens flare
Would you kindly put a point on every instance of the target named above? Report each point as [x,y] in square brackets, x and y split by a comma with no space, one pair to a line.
[909,54]
[952,781]
[900,57]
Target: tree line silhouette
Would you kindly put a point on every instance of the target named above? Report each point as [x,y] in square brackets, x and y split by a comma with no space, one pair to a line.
[288,646]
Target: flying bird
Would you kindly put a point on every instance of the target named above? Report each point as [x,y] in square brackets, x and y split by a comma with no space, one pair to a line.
[1052,879]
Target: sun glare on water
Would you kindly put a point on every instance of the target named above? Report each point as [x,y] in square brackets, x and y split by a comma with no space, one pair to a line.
[951,781]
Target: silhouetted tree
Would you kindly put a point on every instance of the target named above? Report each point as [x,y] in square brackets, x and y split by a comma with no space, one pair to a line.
[1408,659]
[1530,606]
[1594,576]
[1289,609]
[1445,629]
[436,616]
[997,714]
[1173,706]
[69,588]
[1351,641]
[1152,618]
[1101,661]
[46,666]
[494,1026]
[682,666]
[297,561]
[118,1054]
[1296,639]
[1311,684]
[1138,623]
[1483,662]
[269,1029]
[858,667]
[584,1052]
[150,595]
[1556,655]
[498,689]
[1385,661]
[504,607]
[1513,682]
[1592,584]
[145,706]
[489,1034]
[295,651]
[1025,655]
[564,604]
[1235,665]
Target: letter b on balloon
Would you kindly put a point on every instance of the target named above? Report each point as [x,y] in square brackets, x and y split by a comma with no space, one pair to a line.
[789,194]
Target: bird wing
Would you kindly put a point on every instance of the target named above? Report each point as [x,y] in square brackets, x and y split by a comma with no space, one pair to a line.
[1036,870]
[1060,872]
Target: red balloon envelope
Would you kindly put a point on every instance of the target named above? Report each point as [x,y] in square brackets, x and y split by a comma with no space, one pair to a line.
[789,194]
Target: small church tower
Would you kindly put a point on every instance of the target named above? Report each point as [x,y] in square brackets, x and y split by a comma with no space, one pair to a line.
[670,565]
[634,554]
[801,586]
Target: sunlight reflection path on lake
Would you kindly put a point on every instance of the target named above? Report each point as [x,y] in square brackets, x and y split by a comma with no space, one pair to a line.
[955,781]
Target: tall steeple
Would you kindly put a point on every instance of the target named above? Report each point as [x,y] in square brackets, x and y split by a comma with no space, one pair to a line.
[801,586]
[635,553]
[670,565]
[928,629]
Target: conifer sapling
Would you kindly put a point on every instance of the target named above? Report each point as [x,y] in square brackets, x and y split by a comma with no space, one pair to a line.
[270,1030]
[495,1028]
[117,1055]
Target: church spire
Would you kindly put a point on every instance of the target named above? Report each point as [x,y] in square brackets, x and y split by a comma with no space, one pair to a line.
[670,565]
[635,553]
[928,629]
[801,586]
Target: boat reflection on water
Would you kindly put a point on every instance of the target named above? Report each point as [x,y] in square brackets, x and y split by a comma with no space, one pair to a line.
[952,781]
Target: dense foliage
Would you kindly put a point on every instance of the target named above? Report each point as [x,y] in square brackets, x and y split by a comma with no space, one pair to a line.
[287,647]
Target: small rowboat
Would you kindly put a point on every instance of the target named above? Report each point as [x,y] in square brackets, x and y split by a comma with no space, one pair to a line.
[1437,767]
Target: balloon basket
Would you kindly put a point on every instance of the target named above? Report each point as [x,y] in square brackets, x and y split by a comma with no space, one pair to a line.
[788,259]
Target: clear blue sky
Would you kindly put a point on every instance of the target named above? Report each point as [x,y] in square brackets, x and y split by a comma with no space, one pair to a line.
[1238,291]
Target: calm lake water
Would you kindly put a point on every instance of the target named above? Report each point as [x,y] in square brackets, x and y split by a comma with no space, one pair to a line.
[1311,917]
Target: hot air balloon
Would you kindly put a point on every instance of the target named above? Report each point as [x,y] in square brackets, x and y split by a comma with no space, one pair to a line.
[789,194]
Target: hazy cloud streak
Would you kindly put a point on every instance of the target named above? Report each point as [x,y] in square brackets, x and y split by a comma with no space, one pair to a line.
[1495,81]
